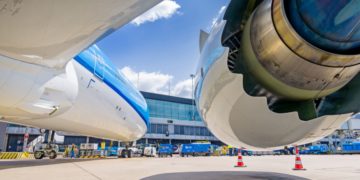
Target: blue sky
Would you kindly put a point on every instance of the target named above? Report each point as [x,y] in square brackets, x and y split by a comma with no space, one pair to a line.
[166,50]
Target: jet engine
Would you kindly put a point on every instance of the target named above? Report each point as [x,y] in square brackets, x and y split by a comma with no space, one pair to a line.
[276,73]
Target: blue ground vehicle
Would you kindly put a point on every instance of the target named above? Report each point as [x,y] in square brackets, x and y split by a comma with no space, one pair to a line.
[108,151]
[112,151]
[285,151]
[351,148]
[165,150]
[195,150]
[316,149]
[243,152]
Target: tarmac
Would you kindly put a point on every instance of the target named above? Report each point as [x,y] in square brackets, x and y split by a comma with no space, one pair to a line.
[185,168]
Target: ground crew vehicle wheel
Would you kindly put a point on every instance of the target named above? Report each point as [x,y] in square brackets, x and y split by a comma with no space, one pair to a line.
[52,155]
[38,154]
[126,153]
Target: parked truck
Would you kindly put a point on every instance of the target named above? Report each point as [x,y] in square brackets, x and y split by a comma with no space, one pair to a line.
[351,148]
[316,149]
[165,150]
[200,149]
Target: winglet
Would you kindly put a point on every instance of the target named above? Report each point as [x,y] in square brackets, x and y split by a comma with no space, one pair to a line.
[202,39]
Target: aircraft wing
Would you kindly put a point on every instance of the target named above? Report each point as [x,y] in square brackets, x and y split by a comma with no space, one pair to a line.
[51,32]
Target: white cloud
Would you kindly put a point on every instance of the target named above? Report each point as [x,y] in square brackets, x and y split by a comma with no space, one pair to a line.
[165,9]
[158,82]
[213,22]
[183,88]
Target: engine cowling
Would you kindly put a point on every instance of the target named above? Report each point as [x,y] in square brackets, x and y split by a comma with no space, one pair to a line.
[286,64]
[263,83]
[280,62]
[285,55]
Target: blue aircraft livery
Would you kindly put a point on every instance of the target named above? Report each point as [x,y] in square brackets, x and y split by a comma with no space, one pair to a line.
[95,61]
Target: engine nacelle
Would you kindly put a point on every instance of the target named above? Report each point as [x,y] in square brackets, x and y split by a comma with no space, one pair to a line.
[286,64]
[262,83]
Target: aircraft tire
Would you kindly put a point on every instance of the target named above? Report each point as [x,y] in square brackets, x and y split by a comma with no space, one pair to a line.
[52,155]
[38,154]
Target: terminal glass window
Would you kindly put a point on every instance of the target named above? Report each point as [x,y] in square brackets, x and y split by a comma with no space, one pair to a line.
[172,110]
[191,130]
[158,129]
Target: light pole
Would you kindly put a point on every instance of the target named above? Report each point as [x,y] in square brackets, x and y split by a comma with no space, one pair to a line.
[192,96]
[26,138]
[169,87]
[138,79]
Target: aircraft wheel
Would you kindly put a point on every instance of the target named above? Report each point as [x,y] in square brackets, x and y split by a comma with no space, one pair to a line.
[52,155]
[38,154]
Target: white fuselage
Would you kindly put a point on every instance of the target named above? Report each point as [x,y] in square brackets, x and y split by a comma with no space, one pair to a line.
[73,100]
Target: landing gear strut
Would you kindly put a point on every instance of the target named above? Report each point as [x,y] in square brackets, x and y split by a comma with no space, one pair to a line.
[125,153]
[48,148]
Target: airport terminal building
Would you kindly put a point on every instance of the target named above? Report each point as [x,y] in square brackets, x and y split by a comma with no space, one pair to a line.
[173,120]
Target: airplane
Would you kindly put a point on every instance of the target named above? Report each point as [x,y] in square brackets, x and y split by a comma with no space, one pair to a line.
[274,73]
[265,79]
[52,76]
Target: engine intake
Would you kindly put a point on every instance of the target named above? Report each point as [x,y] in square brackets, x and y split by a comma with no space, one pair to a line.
[285,63]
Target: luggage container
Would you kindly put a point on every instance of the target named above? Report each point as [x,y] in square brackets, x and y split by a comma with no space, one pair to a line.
[87,149]
[92,146]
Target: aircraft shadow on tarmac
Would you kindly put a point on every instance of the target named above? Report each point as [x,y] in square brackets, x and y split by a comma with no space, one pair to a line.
[226,175]
[42,162]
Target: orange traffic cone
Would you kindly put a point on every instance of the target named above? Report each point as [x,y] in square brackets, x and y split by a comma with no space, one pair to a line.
[298,164]
[240,162]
